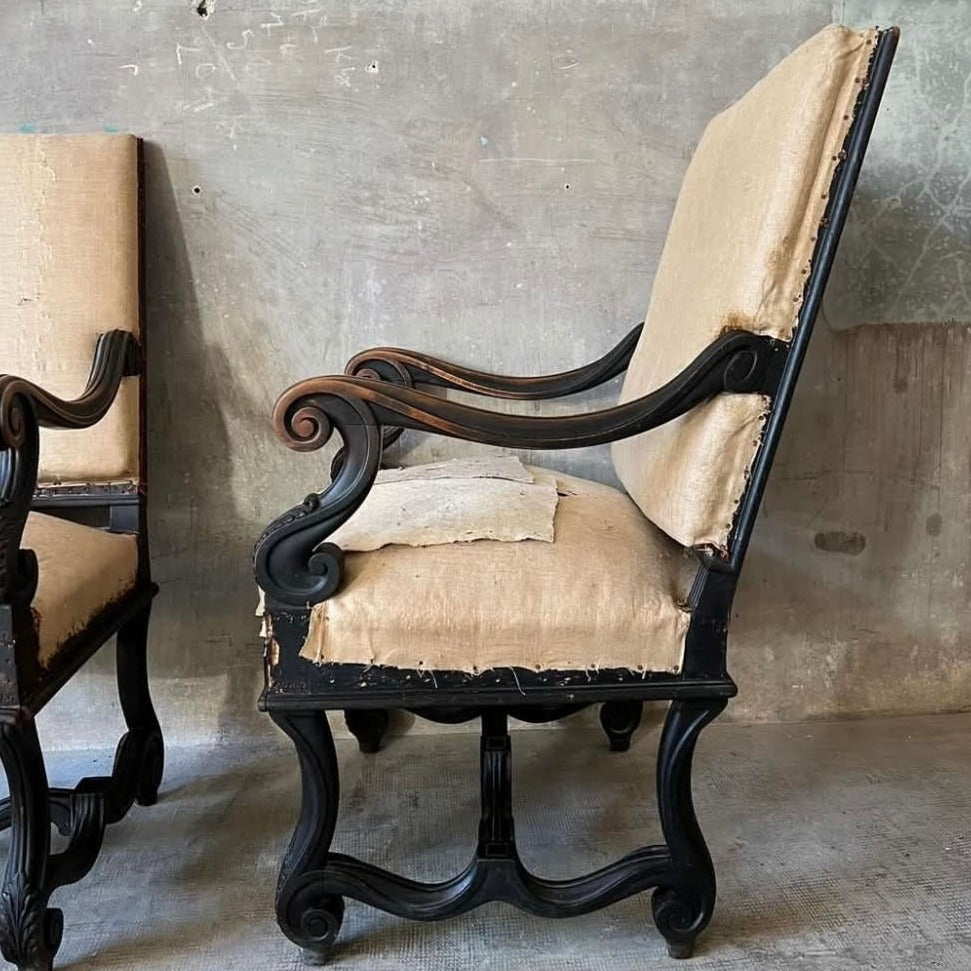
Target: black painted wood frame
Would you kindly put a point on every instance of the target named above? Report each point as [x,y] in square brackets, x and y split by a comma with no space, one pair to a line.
[295,565]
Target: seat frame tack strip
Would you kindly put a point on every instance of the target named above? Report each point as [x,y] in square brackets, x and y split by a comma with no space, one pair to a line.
[297,567]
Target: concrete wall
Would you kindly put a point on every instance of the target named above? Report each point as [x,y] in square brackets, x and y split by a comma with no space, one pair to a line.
[492,181]
[861,558]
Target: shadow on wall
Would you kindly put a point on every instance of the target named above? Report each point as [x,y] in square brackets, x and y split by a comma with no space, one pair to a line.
[204,632]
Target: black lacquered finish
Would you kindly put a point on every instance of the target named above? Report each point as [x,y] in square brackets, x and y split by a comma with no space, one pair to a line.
[368,407]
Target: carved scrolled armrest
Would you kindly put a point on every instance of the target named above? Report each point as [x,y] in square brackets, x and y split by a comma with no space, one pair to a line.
[294,564]
[24,408]
[116,355]
[405,369]
[738,362]
[408,368]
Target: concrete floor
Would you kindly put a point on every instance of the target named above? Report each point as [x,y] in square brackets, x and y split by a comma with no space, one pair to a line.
[838,846]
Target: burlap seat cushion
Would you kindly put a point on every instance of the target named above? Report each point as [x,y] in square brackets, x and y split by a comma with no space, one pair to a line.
[607,593]
[69,251]
[737,256]
[81,571]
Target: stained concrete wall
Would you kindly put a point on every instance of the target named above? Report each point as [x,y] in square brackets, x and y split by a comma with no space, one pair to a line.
[906,256]
[492,181]
[862,554]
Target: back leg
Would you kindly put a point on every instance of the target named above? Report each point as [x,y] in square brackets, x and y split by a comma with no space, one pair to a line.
[619,720]
[142,746]
[368,726]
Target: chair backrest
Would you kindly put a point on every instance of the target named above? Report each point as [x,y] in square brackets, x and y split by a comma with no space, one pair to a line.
[69,270]
[738,255]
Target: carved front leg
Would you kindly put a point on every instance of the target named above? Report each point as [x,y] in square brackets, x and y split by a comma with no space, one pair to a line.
[683,906]
[310,917]
[30,933]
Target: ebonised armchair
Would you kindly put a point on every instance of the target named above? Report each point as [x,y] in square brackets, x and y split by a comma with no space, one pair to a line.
[632,601]
[74,567]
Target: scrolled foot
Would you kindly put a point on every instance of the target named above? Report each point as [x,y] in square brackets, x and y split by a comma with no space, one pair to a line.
[679,919]
[30,933]
[135,775]
[312,920]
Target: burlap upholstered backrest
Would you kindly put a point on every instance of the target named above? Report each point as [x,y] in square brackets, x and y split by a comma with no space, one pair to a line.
[69,270]
[737,255]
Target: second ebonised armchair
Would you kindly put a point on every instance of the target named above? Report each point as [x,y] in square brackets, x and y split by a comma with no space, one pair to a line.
[74,567]
[613,612]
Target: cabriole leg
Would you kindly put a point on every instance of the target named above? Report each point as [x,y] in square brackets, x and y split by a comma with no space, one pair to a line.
[30,933]
[309,917]
[683,907]
[368,726]
[620,720]
[142,746]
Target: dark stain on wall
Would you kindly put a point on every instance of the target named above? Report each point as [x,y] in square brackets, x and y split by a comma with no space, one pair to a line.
[838,541]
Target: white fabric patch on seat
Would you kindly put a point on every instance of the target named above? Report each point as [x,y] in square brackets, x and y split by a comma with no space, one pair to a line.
[453,502]
[487,467]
